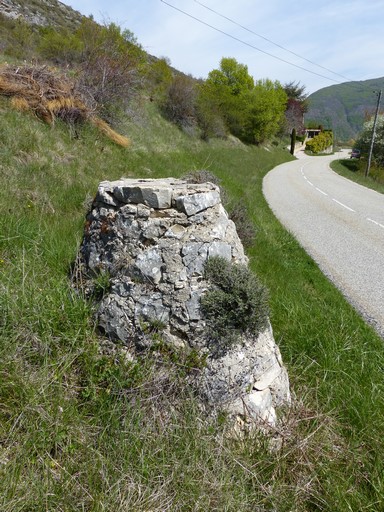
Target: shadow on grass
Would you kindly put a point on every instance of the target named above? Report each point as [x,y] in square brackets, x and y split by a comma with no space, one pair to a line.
[351,165]
[354,170]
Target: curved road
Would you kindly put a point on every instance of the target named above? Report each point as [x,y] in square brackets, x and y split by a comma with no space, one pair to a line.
[339,223]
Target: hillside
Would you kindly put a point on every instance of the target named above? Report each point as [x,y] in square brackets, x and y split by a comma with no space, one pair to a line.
[344,107]
[42,12]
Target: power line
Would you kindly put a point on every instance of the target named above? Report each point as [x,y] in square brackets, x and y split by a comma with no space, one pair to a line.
[349,83]
[270,41]
[248,44]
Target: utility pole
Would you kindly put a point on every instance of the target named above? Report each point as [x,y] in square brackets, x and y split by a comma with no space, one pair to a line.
[373,134]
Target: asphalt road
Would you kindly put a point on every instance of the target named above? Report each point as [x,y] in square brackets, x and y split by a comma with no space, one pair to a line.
[339,223]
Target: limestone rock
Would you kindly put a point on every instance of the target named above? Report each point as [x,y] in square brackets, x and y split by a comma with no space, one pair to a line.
[249,380]
[151,238]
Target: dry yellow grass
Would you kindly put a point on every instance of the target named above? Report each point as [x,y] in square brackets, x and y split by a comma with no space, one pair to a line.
[107,130]
[50,95]
[20,103]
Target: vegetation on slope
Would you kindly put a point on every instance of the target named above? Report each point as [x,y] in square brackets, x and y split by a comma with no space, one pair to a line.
[83,426]
[343,108]
[81,429]
[355,170]
[108,67]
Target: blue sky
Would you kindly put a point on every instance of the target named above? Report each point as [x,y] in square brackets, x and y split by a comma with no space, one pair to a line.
[345,37]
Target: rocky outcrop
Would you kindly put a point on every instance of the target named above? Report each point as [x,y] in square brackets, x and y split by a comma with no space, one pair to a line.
[145,246]
[43,13]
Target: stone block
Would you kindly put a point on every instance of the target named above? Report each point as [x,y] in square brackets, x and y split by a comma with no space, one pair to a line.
[195,203]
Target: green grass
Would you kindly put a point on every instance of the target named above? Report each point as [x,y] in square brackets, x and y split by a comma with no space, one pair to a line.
[355,170]
[82,430]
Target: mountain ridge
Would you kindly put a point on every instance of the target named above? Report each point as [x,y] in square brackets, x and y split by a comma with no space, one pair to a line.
[344,107]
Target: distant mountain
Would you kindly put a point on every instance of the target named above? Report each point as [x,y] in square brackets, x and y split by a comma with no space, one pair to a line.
[344,107]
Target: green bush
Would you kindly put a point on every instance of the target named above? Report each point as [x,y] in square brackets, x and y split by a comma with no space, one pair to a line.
[59,46]
[320,143]
[210,118]
[18,39]
[235,304]
[158,78]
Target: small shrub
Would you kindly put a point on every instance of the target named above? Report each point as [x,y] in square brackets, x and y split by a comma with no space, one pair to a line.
[109,68]
[18,38]
[194,360]
[152,326]
[201,176]
[179,105]
[236,304]
[158,76]
[59,46]
[211,121]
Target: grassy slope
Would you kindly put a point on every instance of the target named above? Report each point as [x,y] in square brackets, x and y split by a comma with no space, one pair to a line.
[355,170]
[83,432]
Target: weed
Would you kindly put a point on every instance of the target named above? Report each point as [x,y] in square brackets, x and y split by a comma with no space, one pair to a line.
[152,326]
[195,360]
[101,285]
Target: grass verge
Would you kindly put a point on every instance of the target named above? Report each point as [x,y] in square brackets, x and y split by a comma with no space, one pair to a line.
[82,429]
[355,170]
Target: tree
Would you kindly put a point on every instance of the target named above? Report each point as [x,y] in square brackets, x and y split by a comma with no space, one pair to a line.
[294,116]
[225,92]
[364,140]
[295,91]
[293,141]
[233,76]
[109,67]
[254,112]
[297,105]
[159,76]
[266,108]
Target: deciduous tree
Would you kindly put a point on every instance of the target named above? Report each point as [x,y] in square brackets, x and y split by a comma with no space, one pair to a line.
[252,112]
[364,140]
[297,105]
[266,107]
[226,91]
[110,65]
